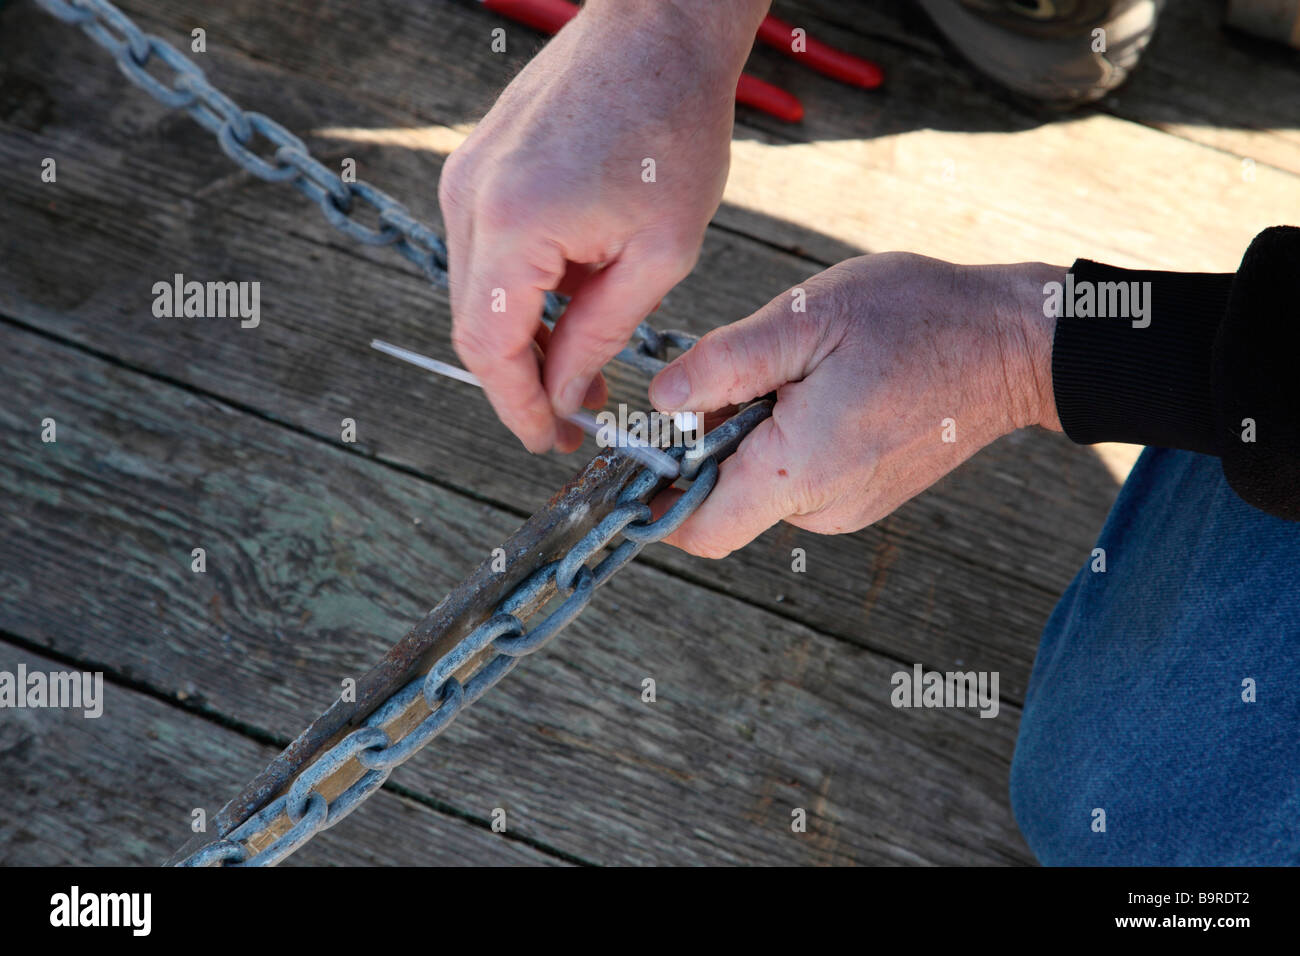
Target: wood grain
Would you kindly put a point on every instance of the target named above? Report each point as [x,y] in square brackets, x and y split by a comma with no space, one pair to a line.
[311,561]
[120,790]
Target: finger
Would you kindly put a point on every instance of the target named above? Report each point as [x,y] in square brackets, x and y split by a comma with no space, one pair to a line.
[496,306]
[568,436]
[598,394]
[661,502]
[600,319]
[755,490]
[743,360]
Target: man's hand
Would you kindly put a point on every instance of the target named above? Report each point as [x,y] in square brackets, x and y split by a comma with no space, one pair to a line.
[595,174]
[900,368]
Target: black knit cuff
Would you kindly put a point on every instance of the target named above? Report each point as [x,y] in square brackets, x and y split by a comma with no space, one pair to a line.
[1132,356]
[1256,385]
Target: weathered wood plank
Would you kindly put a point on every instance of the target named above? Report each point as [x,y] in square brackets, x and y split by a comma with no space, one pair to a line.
[968,569]
[120,789]
[314,564]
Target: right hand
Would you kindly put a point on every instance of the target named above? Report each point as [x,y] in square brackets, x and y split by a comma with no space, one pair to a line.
[548,193]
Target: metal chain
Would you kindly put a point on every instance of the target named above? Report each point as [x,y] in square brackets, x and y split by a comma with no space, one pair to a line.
[503,632]
[309,812]
[235,129]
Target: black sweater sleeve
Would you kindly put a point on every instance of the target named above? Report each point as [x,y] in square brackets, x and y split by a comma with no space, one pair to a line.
[1195,361]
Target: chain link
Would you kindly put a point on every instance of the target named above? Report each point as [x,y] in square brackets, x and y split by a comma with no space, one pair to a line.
[236,129]
[308,811]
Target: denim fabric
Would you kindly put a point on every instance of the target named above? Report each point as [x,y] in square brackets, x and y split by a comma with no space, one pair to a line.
[1135,702]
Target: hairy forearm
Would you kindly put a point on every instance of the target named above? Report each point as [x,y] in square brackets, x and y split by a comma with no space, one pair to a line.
[721,32]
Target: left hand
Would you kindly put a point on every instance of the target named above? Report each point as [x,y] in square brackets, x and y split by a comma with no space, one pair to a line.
[900,368]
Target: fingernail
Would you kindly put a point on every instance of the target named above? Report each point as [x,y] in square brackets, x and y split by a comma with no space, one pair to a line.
[592,396]
[671,389]
[572,395]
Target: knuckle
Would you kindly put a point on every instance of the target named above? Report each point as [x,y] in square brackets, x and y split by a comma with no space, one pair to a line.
[453,189]
[803,329]
[511,202]
[833,300]
[497,211]
[675,257]
[470,343]
[714,363]
[601,338]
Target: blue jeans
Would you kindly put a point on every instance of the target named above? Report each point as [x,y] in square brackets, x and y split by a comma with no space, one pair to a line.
[1137,702]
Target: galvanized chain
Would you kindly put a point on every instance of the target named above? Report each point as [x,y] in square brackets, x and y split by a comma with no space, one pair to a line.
[235,129]
[503,633]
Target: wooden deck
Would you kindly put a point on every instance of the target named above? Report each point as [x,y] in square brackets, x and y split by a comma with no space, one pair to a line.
[773,687]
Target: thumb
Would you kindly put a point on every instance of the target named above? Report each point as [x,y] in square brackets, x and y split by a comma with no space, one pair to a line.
[743,360]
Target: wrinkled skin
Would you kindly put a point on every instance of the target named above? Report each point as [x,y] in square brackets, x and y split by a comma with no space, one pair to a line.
[889,347]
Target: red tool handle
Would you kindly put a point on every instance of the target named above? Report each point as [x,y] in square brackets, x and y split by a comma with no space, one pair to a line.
[821,57]
[545,15]
[770,99]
